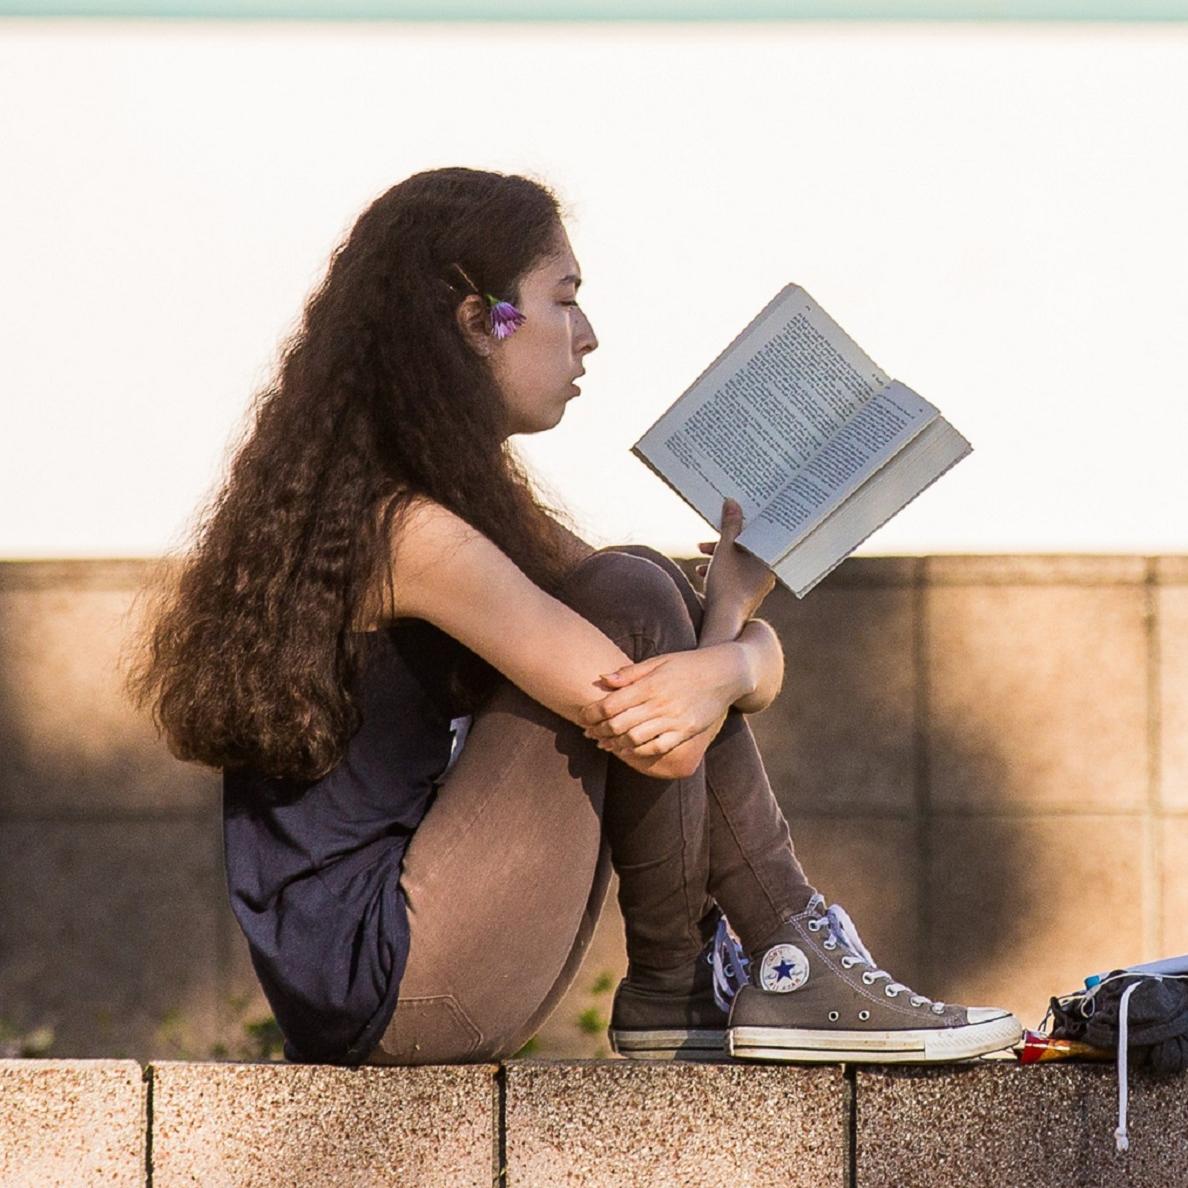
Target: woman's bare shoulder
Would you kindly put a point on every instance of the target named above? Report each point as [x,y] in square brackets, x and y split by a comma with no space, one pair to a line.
[421,538]
[428,532]
[414,531]
[425,524]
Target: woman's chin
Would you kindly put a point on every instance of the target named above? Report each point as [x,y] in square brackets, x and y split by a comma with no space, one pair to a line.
[557,415]
[540,425]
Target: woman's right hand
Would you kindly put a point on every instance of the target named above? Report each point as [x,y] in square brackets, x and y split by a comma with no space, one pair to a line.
[734,579]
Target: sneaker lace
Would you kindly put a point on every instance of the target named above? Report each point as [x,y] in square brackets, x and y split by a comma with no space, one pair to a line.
[730,964]
[841,931]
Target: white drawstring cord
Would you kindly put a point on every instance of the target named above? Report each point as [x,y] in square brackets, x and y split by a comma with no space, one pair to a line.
[1085,1004]
[1121,1137]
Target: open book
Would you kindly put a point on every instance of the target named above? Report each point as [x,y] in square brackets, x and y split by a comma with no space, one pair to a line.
[818,445]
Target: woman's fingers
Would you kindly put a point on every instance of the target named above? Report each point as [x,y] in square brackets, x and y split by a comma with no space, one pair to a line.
[632,672]
[731,518]
[660,745]
[620,723]
[654,736]
[626,745]
[731,526]
[625,692]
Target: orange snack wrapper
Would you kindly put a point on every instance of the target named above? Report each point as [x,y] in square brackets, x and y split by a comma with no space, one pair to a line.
[1037,1048]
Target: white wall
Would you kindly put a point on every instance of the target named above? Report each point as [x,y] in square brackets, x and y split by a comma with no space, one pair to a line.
[995,212]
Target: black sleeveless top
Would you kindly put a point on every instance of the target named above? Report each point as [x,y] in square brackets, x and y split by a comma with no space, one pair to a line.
[313,869]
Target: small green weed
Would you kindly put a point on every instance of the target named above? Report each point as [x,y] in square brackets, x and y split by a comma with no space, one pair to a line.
[530,1047]
[16,1044]
[590,1021]
[264,1038]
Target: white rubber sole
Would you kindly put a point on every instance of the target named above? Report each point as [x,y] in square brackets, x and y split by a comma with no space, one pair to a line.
[929,1044]
[676,1043]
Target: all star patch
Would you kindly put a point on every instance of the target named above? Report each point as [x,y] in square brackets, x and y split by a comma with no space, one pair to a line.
[784,968]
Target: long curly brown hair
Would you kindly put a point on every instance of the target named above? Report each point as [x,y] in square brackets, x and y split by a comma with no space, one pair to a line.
[249,657]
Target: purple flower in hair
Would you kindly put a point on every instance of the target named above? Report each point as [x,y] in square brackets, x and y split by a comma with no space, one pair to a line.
[505,318]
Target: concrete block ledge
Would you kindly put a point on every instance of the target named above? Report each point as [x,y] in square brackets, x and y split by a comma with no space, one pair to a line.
[601,1123]
[72,1122]
[622,1123]
[997,1122]
[257,1125]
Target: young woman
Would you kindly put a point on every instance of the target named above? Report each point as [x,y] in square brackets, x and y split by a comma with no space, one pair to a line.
[442,717]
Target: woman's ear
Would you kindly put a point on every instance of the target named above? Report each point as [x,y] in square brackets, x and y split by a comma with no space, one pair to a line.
[474,323]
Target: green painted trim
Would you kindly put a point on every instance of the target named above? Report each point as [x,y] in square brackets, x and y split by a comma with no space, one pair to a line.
[610,10]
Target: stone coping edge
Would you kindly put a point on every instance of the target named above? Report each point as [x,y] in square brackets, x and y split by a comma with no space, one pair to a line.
[167,1122]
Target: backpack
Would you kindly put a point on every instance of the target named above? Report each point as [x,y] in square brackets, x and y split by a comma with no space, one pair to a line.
[1141,1015]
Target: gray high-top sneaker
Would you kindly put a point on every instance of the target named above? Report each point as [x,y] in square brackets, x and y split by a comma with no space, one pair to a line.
[650,1025]
[815,994]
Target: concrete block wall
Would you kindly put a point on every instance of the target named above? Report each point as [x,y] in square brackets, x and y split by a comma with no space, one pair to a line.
[985,759]
[73,1122]
[597,1124]
[258,1125]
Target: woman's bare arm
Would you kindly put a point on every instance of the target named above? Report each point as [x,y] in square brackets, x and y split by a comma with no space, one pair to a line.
[765,657]
[723,623]
[450,574]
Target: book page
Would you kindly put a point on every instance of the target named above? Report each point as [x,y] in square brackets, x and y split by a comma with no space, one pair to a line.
[765,406]
[878,429]
[931,453]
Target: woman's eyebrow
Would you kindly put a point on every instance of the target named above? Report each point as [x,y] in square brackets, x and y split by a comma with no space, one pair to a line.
[577,280]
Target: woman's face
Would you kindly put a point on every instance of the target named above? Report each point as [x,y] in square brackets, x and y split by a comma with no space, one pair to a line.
[537,364]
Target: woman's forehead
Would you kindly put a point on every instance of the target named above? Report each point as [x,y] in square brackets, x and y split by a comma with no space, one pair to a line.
[562,260]
[559,268]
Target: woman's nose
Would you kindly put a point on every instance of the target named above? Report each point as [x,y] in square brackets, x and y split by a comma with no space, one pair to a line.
[587,339]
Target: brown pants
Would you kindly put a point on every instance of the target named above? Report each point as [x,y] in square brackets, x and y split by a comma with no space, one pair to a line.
[507,874]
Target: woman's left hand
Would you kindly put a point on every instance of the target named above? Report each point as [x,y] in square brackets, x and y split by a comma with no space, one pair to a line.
[660,702]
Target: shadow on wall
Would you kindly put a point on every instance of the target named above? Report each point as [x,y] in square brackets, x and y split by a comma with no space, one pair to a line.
[847,746]
[112,929]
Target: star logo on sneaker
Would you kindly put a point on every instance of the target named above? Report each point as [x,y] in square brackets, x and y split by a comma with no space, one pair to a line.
[784,968]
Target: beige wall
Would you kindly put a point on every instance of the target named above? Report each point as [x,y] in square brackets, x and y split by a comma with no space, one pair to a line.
[984,758]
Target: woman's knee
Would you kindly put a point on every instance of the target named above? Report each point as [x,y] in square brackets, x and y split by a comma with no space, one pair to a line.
[694,601]
[625,593]
[649,554]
